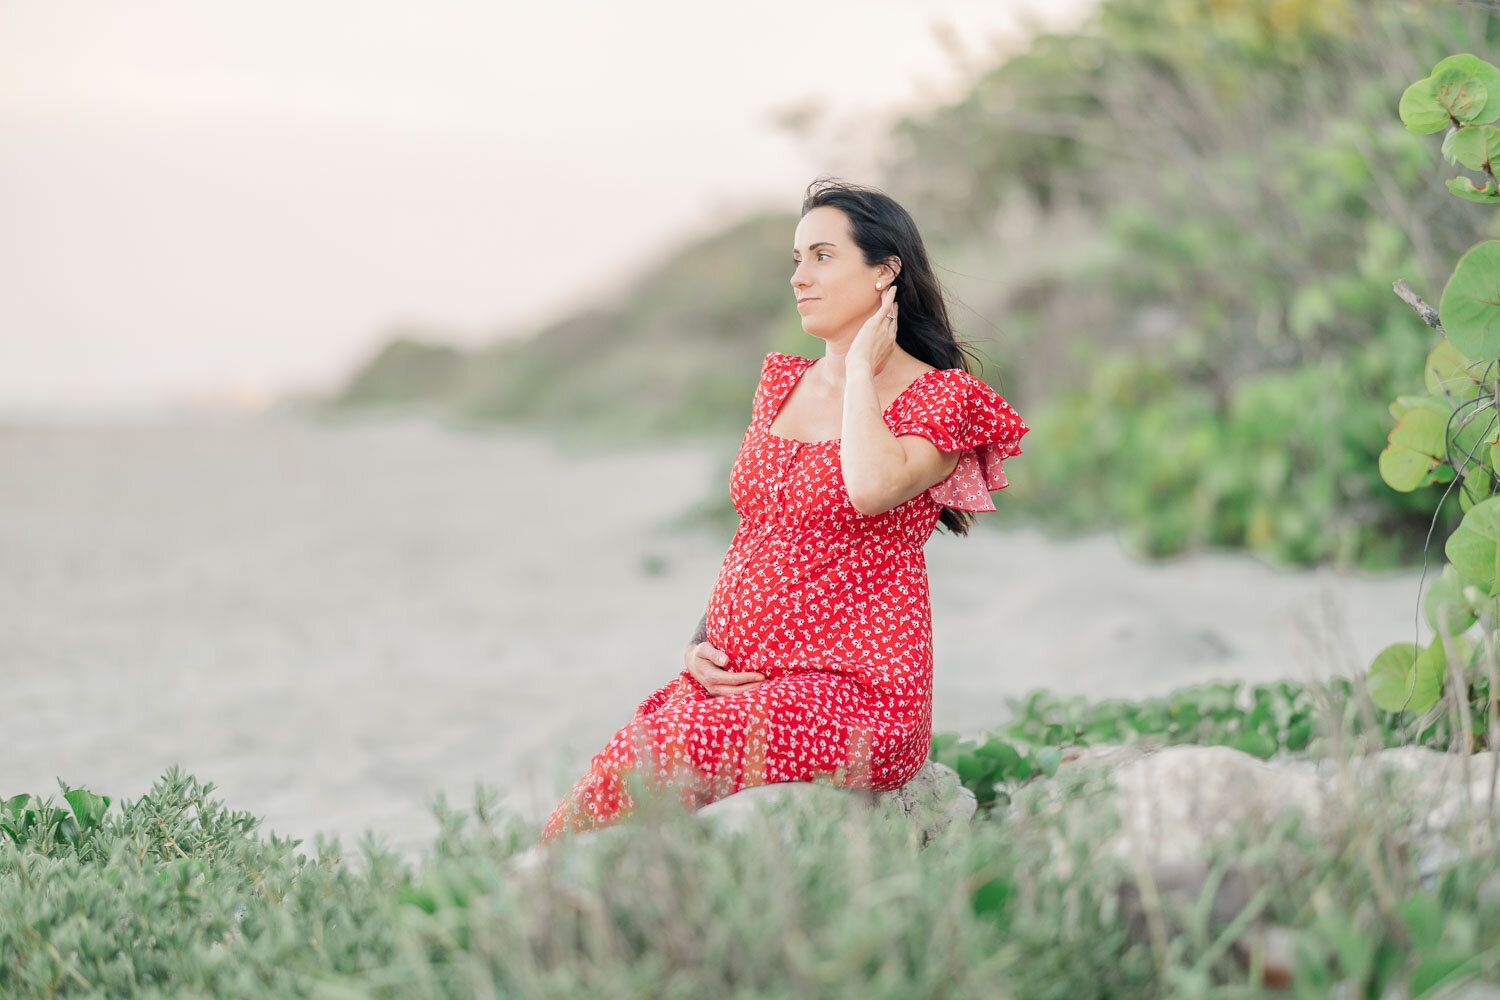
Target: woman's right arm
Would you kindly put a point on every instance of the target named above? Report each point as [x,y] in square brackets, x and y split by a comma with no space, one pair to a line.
[701,635]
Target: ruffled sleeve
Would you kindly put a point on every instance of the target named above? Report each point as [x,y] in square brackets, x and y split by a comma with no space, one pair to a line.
[958,412]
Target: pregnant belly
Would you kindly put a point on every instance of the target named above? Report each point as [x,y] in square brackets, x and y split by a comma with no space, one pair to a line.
[779,608]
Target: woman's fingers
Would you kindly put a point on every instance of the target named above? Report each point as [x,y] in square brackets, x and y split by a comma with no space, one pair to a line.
[705,666]
[721,690]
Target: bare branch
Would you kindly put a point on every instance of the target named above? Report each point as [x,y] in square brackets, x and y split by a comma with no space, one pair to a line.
[1428,314]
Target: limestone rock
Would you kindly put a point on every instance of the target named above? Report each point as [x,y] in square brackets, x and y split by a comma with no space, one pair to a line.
[1175,802]
[933,801]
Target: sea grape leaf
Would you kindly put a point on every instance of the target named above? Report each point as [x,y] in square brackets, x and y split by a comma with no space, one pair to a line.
[1476,145]
[1474,546]
[1464,188]
[1448,145]
[1404,677]
[1420,110]
[1470,307]
[1473,66]
[1449,373]
[1460,92]
[1416,443]
[1478,484]
[1445,607]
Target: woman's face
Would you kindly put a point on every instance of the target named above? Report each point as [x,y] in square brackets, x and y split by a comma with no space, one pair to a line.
[834,286]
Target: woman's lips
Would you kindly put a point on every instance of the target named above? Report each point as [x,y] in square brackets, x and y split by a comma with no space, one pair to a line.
[803,302]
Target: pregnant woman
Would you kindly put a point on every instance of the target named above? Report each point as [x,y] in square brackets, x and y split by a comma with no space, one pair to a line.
[813,660]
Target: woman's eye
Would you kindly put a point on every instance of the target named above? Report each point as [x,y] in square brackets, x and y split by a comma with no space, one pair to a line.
[821,253]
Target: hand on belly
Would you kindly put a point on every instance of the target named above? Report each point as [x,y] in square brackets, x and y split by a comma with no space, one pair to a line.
[706,663]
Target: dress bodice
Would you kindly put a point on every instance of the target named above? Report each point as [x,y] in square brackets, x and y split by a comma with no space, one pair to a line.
[809,582]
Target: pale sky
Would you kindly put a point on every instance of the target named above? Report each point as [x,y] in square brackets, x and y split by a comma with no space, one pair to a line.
[210,203]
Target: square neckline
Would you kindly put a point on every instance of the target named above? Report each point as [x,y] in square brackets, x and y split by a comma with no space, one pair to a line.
[771,418]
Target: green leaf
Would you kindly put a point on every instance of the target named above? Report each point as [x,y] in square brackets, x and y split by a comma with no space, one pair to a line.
[1423,917]
[1256,743]
[1474,547]
[1403,677]
[1478,482]
[88,808]
[1448,145]
[419,897]
[1464,188]
[1460,92]
[1402,405]
[1469,435]
[1355,949]
[1420,110]
[1476,145]
[67,829]
[1470,307]
[1448,373]
[990,899]
[1415,445]
[1006,758]
[1445,604]
[1434,970]
[1471,65]
[1048,759]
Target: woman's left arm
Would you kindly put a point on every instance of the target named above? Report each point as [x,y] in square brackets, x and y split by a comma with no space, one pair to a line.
[881,470]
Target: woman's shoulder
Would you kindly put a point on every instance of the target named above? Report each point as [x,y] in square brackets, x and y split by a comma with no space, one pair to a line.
[950,384]
[776,359]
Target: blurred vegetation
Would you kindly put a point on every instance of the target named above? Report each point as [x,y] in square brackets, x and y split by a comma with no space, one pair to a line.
[1171,233]
[174,895]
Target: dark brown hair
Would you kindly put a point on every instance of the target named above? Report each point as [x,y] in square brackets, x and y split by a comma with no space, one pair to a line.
[882,229]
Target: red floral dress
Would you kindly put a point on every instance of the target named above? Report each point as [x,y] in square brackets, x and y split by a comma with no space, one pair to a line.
[830,604]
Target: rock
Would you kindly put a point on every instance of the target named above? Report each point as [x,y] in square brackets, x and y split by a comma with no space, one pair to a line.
[1432,784]
[1181,799]
[1175,803]
[933,801]
[1431,776]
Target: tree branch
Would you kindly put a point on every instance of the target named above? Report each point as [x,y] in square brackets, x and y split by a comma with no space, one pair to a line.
[1428,314]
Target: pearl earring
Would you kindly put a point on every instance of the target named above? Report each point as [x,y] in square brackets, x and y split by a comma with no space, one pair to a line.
[877,284]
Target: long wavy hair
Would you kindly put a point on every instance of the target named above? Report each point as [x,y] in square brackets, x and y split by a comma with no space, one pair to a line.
[882,229]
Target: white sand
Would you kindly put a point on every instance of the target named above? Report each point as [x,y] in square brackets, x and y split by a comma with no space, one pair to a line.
[332,624]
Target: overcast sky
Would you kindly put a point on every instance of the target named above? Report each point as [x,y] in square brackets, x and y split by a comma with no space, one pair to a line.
[214,202]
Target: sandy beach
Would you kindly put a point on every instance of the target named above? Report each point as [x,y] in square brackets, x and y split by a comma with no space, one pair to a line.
[335,623]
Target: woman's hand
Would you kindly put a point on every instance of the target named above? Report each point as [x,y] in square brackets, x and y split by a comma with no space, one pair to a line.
[876,340]
[704,662]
